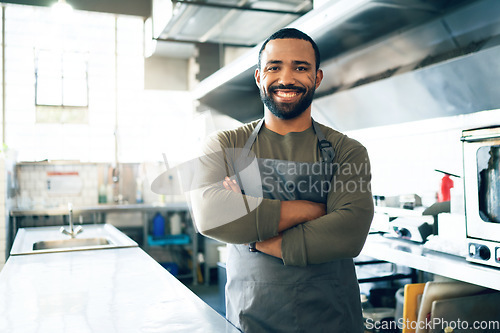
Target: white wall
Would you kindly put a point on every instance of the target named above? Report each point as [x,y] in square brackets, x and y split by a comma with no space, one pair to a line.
[3,214]
[162,73]
[404,156]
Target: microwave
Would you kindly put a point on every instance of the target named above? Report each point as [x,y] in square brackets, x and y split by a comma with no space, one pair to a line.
[481,164]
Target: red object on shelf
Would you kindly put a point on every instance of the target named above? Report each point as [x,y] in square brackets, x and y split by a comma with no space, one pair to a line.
[444,190]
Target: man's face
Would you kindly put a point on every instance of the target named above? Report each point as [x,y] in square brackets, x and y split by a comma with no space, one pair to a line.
[288,78]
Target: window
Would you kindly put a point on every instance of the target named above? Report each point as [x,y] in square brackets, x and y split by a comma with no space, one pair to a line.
[61,86]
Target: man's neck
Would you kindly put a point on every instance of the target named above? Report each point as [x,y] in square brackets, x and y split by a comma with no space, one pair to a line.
[283,127]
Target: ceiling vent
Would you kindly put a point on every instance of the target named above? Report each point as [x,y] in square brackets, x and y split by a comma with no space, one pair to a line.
[228,22]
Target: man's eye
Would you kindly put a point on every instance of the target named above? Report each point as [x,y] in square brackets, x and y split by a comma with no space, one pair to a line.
[301,68]
[273,68]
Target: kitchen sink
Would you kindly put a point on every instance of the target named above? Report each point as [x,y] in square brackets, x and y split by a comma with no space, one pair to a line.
[71,243]
[51,239]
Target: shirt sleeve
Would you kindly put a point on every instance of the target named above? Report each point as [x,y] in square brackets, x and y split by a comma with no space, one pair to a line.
[223,214]
[340,233]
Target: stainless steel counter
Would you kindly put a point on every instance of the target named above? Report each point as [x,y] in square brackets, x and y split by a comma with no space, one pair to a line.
[413,255]
[99,212]
[117,290]
[26,238]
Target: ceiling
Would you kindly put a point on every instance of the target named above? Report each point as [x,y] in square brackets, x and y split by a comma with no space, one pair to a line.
[125,7]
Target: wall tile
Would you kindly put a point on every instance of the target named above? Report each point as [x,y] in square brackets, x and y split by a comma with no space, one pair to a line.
[33,185]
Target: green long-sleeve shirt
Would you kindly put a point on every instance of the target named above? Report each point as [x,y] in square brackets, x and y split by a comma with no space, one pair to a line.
[235,218]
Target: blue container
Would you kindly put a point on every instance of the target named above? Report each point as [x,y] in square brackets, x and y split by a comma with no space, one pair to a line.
[171,267]
[158,226]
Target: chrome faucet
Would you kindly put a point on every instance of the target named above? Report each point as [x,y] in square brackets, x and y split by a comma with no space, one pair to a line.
[72,232]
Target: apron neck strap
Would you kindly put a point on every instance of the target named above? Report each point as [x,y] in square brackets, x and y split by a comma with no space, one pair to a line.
[325,146]
[253,136]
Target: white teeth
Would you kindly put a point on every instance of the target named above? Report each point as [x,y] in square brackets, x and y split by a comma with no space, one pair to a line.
[286,94]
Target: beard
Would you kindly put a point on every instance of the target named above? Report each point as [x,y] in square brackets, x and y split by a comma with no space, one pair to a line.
[287,111]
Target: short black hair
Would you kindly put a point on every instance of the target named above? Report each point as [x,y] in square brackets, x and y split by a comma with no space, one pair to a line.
[291,33]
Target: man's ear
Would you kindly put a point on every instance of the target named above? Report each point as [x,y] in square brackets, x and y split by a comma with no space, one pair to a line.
[257,77]
[319,77]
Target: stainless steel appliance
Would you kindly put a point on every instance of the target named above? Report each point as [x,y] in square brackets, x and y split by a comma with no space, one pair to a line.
[481,151]
[413,228]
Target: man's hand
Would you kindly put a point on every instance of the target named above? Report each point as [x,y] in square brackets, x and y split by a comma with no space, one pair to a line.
[231,184]
[292,213]
[271,246]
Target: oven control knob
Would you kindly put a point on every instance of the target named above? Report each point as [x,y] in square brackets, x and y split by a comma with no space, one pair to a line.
[484,252]
[472,250]
[404,233]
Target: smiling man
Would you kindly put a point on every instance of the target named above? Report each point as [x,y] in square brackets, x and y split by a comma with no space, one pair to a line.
[292,199]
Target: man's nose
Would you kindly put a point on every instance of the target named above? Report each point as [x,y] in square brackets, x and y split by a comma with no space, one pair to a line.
[286,77]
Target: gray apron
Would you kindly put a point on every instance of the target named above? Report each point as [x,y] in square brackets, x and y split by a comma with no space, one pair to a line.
[262,294]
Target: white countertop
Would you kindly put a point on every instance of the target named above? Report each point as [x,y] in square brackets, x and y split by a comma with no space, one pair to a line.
[112,290]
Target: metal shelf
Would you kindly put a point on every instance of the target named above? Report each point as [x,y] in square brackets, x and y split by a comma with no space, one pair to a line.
[187,240]
[416,256]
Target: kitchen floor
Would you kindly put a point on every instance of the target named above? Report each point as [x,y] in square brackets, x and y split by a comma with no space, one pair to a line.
[211,295]
[212,292]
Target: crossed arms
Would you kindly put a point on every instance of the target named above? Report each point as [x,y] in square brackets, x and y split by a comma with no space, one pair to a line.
[291,213]
[300,232]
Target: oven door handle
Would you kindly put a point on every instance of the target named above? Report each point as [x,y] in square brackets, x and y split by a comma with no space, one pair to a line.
[479,138]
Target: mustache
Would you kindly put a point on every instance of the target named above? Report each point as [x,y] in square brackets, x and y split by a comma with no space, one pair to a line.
[289,87]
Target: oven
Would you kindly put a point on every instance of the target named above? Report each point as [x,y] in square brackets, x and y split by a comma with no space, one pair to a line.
[481,162]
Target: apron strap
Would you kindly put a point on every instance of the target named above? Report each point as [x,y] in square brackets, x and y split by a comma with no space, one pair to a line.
[252,137]
[244,154]
[325,146]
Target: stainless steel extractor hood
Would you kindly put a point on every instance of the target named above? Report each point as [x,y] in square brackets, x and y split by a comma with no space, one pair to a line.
[448,66]
[364,41]
[229,22]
